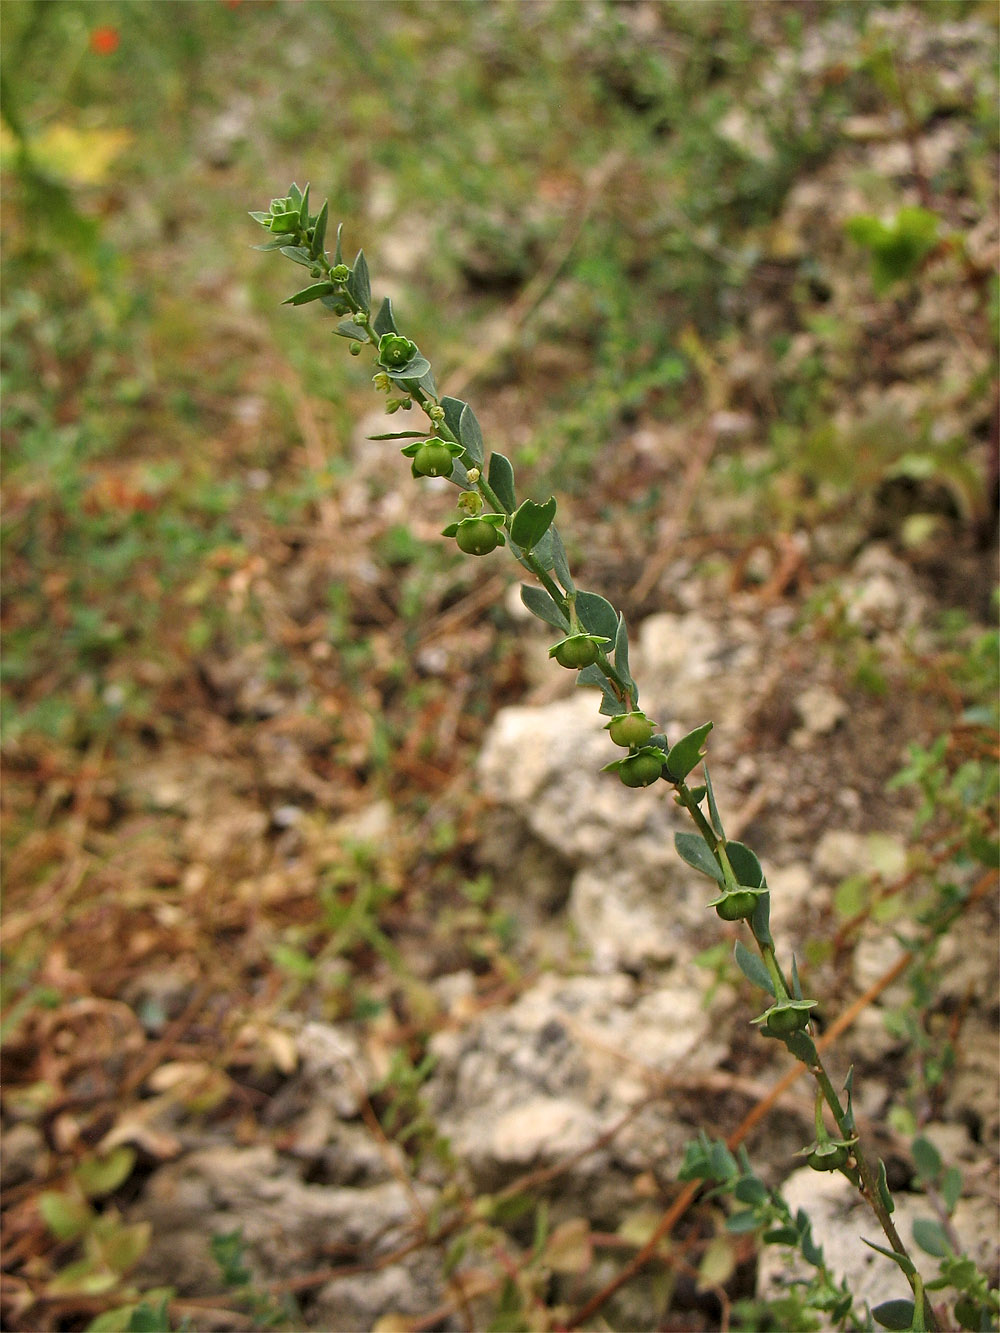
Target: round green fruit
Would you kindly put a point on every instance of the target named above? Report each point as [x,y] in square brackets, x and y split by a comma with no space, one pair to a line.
[477,537]
[828,1156]
[630,729]
[737,906]
[433,459]
[577,652]
[640,770]
[787,1018]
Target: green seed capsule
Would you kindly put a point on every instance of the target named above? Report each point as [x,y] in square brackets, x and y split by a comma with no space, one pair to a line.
[433,459]
[640,770]
[477,537]
[576,652]
[828,1156]
[630,729]
[784,1019]
[737,906]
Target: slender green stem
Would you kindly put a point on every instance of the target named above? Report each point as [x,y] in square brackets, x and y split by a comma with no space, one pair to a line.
[858,1169]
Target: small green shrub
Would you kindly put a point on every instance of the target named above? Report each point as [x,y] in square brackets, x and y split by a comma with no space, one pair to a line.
[593,641]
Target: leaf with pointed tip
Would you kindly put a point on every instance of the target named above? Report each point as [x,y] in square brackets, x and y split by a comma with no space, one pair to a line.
[319,230]
[596,614]
[621,660]
[611,705]
[752,967]
[540,604]
[453,408]
[359,284]
[760,921]
[298,254]
[903,1260]
[687,753]
[501,480]
[745,865]
[883,1188]
[383,321]
[471,436]
[692,849]
[338,254]
[559,562]
[849,1124]
[312,293]
[712,807]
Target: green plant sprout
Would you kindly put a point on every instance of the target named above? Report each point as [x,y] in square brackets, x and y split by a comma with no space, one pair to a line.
[594,643]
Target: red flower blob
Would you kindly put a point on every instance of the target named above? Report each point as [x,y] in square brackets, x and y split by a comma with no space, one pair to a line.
[104,40]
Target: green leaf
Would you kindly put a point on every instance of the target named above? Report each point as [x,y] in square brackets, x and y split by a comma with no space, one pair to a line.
[103,1175]
[295,195]
[596,614]
[319,230]
[692,849]
[453,409]
[531,521]
[926,1158]
[85,1277]
[901,1260]
[415,369]
[501,480]
[359,284]
[752,967]
[383,321]
[621,660]
[471,436]
[713,809]
[312,293]
[348,329]
[298,254]
[687,753]
[400,435]
[849,1124]
[611,705]
[540,604]
[930,1236]
[750,1189]
[338,254]
[559,561]
[781,1236]
[744,862]
[951,1187]
[66,1215]
[796,983]
[123,1246]
[896,1314]
[883,1188]
[760,921]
